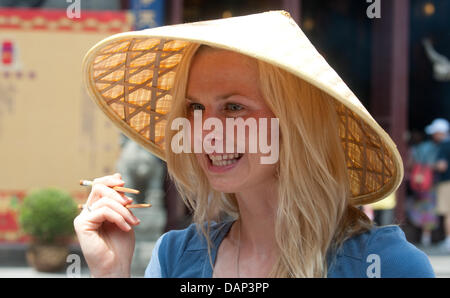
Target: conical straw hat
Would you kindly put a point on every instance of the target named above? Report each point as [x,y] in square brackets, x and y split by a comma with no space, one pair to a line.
[130,76]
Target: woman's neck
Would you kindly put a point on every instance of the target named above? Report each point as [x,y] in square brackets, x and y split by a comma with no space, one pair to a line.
[257,211]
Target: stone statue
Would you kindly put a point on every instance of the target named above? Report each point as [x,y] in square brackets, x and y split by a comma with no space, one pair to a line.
[143,171]
[441,64]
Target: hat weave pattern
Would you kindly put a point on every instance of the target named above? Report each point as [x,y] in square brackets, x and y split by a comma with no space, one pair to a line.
[134,78]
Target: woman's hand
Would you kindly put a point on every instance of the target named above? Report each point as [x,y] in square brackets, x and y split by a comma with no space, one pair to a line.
[106,231]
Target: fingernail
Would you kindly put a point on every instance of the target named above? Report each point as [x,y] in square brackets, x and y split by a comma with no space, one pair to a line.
[136,220]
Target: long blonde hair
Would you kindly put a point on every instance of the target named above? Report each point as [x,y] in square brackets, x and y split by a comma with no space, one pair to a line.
[314,215]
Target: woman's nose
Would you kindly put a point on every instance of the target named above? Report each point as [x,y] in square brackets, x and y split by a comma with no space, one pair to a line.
[213,134]
[212,141]
[212,128]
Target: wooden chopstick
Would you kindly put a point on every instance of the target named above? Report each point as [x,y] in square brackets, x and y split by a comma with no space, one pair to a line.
[116,188]
[81,206]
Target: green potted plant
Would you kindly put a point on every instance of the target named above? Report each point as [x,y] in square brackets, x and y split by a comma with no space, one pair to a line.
[47,216]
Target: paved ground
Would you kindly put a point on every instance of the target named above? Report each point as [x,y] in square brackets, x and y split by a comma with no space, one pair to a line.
[439,261]
[28,272]
[441,265]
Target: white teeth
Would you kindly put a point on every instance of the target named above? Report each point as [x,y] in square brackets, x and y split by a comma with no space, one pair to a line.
[221,163]
[224,156]
[224,159]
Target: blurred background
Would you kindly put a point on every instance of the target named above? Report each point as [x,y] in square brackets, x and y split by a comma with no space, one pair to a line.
[394,55]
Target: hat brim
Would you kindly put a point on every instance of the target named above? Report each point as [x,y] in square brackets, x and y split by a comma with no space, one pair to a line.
[130,76]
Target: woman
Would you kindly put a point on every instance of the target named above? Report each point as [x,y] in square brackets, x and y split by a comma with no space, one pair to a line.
[295,217]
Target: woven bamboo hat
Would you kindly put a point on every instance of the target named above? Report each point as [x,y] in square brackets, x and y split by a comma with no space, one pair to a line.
[130,76]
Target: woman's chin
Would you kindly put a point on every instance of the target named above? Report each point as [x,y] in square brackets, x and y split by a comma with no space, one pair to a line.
[224,186]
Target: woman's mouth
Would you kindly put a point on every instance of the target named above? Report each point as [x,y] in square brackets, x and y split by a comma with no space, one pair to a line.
[223,162]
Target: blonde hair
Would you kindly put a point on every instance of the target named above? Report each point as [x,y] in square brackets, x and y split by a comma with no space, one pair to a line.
[314,215]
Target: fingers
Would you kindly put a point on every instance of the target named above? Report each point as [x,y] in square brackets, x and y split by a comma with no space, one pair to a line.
[106,204]
[101,190]
[111,181]
[98,216]
[118,208]
[105,209]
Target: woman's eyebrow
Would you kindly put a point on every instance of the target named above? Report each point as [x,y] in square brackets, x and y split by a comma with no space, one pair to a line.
[219,97]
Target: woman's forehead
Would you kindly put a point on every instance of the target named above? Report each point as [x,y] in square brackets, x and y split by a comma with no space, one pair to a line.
[220,58]
[222,69]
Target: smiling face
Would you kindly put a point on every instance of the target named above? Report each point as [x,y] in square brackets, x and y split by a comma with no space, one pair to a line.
[223,85]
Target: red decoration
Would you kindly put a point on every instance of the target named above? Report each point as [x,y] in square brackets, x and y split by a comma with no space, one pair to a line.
[7,52]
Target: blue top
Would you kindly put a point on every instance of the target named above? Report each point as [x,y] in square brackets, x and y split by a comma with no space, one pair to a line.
[380,252]
[425,152]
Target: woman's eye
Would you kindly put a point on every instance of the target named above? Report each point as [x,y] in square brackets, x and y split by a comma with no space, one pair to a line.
[196,106]
[234,107]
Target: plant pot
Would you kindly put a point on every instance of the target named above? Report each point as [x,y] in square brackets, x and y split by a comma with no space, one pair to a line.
[47,257]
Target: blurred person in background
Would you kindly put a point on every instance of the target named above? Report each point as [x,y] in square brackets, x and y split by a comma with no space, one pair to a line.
[443,188]
[423,157]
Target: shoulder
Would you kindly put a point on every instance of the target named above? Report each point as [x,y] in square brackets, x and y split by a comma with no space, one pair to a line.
[181,253]
[397,257]
[382,252]
[191,238]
